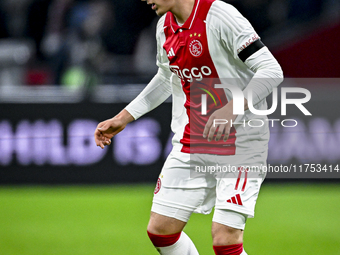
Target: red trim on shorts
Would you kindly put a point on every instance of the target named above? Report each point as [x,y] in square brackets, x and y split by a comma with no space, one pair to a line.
[238,178]
[245,180]
[241,169]
[234,249]
[164,240]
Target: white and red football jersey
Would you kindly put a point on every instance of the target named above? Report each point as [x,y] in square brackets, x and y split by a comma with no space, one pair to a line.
[216,44]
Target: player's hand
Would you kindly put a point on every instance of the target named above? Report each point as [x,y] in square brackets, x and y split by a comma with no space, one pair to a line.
[109,128]
[220,122]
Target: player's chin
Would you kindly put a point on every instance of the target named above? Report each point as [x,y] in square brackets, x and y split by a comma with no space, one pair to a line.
[159,12]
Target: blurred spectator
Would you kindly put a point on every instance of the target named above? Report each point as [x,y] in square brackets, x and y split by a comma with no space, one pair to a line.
[78,50]
[36,22]
[77,42]
[146,50]
[92,36]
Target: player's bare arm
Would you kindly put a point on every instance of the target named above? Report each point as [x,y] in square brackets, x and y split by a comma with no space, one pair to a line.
[225,113]
[109,128]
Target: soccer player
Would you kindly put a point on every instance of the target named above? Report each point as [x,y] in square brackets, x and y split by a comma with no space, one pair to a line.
[199,44]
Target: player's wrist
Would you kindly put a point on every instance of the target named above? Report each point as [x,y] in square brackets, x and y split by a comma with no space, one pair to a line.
[124,117]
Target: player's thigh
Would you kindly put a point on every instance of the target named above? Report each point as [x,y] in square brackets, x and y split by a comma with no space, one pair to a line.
[172,208]
[180,203]
[178,194]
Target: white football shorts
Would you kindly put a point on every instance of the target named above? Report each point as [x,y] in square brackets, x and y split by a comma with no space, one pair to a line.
[197,182]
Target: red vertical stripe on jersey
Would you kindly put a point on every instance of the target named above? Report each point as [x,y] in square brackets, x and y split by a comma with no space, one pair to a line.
[192,63]
[234,200]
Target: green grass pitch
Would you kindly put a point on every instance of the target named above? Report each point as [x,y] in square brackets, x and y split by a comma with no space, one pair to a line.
[111,220]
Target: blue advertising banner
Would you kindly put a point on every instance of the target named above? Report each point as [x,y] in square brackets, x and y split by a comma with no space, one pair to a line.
[45,143]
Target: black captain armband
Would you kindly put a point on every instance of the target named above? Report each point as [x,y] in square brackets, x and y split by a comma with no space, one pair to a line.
[250,50]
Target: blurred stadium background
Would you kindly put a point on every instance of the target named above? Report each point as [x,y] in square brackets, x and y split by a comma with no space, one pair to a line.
[65,65]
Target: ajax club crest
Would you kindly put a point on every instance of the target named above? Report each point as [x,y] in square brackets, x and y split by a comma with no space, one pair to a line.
[158,186]
[195,48]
